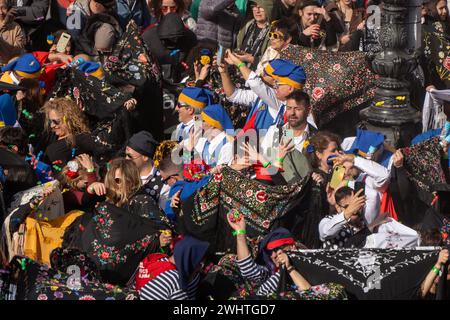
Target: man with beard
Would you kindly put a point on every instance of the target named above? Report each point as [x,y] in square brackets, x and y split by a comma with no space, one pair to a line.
[292,135]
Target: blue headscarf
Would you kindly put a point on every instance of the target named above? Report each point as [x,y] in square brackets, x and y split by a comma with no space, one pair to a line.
[188,254]
[264,254]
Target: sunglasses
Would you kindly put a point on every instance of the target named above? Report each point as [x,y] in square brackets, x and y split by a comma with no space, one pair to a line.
[182,105]
[169,8]
[54,122]
[169,177]
[276,35]
[130,157]
[276,249]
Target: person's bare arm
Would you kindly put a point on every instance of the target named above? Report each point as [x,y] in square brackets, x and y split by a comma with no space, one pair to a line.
[237,224]
[232,59]
[301,283]
[227,83]
[429,280]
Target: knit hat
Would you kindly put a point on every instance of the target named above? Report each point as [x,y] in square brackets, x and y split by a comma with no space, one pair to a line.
[143,143]
[286,72]
[196,97]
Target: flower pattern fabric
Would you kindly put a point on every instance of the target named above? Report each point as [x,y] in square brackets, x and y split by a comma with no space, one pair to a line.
[423,163]
[343,82]
[39,282]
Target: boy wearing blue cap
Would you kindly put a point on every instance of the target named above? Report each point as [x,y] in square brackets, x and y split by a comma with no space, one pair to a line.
[267,103]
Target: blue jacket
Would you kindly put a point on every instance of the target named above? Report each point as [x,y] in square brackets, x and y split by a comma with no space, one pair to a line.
[136,10]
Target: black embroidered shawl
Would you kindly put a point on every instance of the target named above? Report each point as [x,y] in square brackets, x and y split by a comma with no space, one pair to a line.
[368,273]
[336,81]
[115,239]
[204,213]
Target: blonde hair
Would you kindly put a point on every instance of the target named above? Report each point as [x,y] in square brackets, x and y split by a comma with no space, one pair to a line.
[120,194]
[71,115]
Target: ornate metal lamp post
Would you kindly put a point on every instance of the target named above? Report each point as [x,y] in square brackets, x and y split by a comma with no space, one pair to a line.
[391,109]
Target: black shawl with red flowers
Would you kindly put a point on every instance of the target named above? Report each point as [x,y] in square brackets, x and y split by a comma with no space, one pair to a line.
[265,207]
[336,81]
[115,239]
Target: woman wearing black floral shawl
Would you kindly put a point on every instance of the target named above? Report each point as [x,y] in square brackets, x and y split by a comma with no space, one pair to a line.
[122,230]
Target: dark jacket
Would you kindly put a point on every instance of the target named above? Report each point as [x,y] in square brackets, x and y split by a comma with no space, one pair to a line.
[329,29]
[164,39]
[356,35]
[137,11]
[86,41]
[32,12]
[280,11]
[218,22]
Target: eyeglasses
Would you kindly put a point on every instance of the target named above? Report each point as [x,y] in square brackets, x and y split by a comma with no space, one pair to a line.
[276,35]
[54,122]
[169,8]
[169,177]
[118,180]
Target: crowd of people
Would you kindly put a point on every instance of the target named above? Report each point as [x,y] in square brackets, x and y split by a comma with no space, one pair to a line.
[177,149]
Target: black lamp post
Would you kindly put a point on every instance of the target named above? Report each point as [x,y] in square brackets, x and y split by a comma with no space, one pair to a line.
[399,37]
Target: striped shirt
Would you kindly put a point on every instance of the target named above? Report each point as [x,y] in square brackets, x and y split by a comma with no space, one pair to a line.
[166,287]
[260,274]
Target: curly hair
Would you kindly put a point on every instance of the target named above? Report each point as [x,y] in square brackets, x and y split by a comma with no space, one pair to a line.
[164,150]
[121,193]
[319,143]
[72,116]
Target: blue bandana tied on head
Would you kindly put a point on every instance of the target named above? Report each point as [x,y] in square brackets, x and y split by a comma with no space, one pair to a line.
[188,254]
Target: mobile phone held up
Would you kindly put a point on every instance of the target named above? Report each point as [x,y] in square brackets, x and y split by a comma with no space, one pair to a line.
[220,53]
[337,177]
[63,42]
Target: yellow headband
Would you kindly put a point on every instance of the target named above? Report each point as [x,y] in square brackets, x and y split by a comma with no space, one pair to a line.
[211,121]
[269,70]
[362,154]
[98,73]
[283,80]
[188,100]
[28,75]
[289,82]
